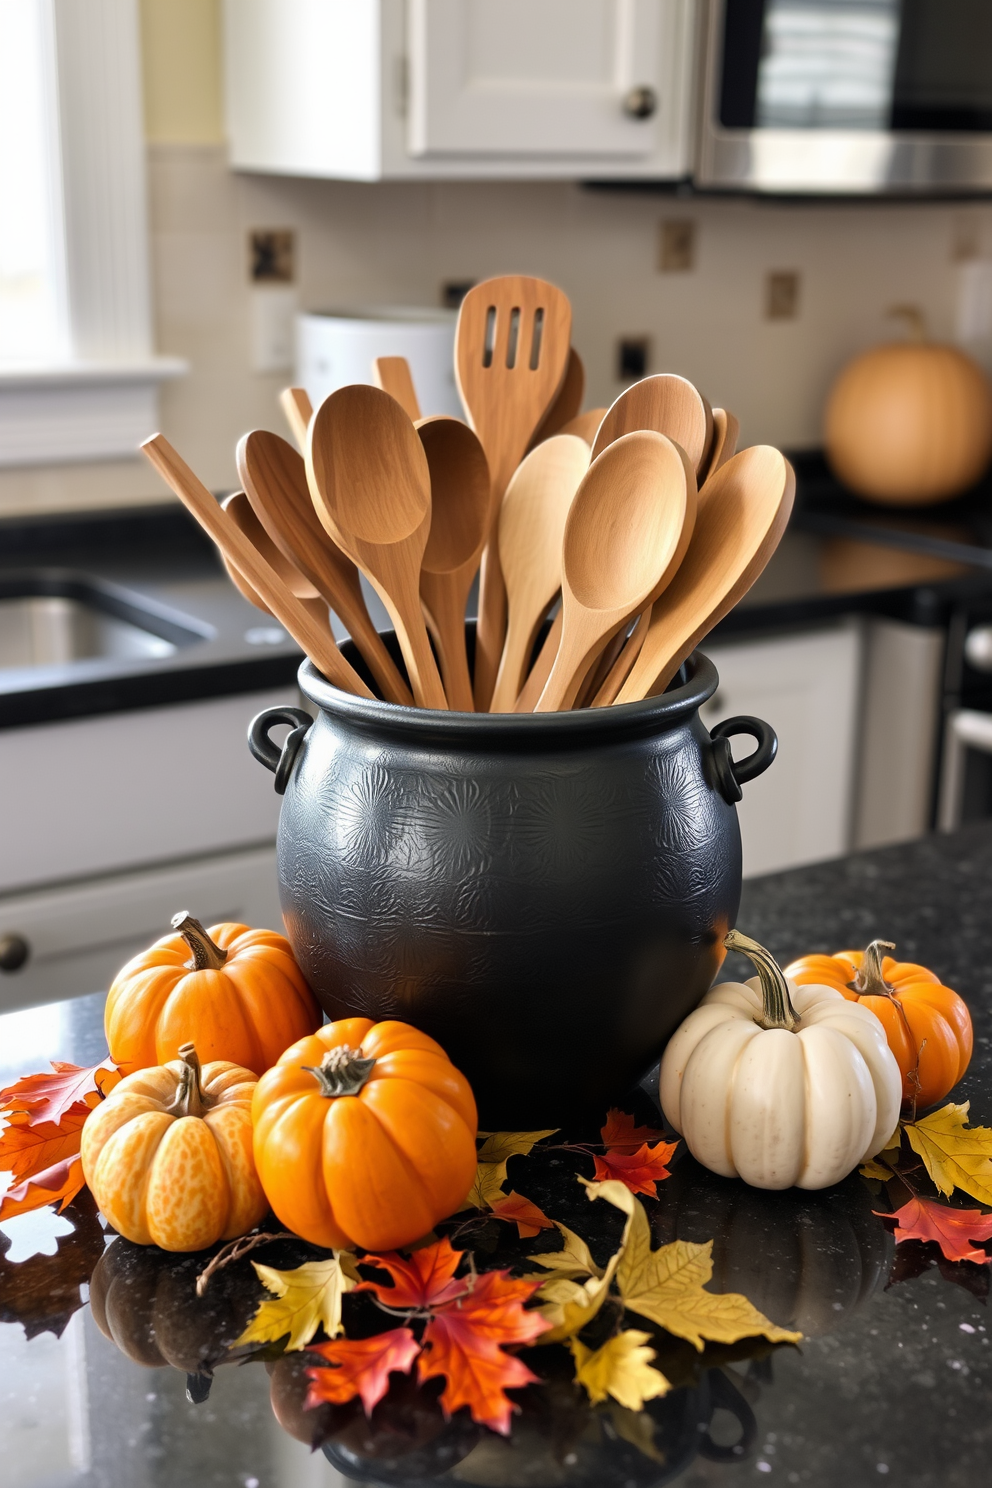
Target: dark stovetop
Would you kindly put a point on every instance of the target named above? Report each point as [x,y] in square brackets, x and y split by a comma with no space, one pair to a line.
[892,1382]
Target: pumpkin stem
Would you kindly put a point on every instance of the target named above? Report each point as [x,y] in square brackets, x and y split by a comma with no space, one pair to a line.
[777,1009]
[869,979]
[342,1071]
[191,1099]
[206,955]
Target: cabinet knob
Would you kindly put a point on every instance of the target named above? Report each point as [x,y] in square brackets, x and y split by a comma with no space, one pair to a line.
[640,103]
[14,952]
[978,648]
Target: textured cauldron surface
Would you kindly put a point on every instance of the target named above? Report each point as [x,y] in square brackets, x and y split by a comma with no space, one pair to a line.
[544,895]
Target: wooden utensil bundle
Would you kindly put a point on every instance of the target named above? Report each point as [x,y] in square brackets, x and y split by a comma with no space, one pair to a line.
[640,517]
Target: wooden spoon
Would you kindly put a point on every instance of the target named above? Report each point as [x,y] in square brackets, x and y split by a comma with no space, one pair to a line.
[668,404]
[238,508]
[628,528]
[585,425]
[460,488]
[275,479]
[288,610]
[393,375]
[371,487]
[511,354]
[743,511]
[726,432]
[295,404]
[568,402]
[531,528]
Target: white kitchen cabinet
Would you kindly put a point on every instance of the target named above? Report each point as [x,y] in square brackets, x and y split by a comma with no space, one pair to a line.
[807,686]
[78,937]
[400,89]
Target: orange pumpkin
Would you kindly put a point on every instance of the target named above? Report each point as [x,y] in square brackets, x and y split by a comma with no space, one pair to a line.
[928,1027]
[364,1135]
[236,993]
[168,1154]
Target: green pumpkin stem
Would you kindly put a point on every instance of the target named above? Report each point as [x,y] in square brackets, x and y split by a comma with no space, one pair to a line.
[777,1009]
[191,1099]
[869,979]
[342,1071]
[206,955]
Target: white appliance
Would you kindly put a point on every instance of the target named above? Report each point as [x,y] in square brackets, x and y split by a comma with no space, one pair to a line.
[338,347]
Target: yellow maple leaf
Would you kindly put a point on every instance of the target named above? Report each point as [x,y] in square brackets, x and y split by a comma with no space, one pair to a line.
[955,1154]
[488,1186]
[574,1259]
[637,1428]
[498,1146]
[569,1305]
[880,1166]
[667,1287]
[303,1299]
[621,1368]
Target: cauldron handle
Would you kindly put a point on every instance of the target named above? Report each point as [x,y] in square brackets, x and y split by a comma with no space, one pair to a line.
[726,1396]
[279,761]
[731,773]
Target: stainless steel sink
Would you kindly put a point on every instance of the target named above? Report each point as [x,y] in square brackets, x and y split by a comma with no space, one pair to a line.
[53,618]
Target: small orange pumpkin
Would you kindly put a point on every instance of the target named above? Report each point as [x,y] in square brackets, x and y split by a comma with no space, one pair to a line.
[928,1027]
[168,1154]
[236,993]
[364,1135]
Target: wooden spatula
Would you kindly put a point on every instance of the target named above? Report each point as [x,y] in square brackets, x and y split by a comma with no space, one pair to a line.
[668,404]
[371,488]
[531,528]
[743,510]
[393,375]
[511,353]
[295,404]
[628,527]
[460,488]
[275,479]
[568,402]
[291,614]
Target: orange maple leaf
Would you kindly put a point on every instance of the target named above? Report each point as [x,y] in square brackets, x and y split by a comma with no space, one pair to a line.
[621,1134]
[423,1281]
[58,1184]
[955,1230]
[641,1171]
[49,1097]
[362,1366]
[464,1342]
[26,1149]
[528,1218]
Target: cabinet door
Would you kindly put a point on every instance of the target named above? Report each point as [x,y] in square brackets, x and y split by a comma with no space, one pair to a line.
[535,77]
[807,687]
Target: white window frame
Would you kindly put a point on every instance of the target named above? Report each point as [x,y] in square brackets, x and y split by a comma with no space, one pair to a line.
[102,401]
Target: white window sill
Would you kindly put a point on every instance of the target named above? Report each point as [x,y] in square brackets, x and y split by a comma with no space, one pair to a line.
[52,415]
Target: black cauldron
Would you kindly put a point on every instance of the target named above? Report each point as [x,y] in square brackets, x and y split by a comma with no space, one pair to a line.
[544,894]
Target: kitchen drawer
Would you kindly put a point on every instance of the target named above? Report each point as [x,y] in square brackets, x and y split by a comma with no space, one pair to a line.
[80,936]
[96,795]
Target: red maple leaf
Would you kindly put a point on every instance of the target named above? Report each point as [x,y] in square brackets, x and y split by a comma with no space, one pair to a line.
[425,1280]
[58,1184]
[641,1171]
[621,1134]
[955,1230]
[528,1218]
[464,1342]
[361,1366]
[26,1149]
[49,1097]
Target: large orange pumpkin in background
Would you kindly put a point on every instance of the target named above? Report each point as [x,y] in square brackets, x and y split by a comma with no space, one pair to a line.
[236,993]
[926,1024]
[364,1135]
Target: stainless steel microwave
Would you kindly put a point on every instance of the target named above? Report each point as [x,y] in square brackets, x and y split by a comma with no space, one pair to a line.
[847,96]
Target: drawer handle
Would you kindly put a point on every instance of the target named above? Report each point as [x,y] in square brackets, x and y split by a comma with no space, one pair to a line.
[731,773]
[14,952]
[279,761]
[640,103]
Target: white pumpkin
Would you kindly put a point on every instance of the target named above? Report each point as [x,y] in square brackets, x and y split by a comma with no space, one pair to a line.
[779,1084]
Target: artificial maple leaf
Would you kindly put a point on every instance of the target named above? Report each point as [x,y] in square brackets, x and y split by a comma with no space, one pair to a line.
[640,1171]
[915,1257]
[26,1149]
[568,1306]
[954,1230]
[621,1134]
[488,1185]
[499,1146]
[43,1291]
[954,1154]
[573,1260]
[304,1299]
[464,1343]
[48,1097]
[58,1184]
[621,1368]
[637,1428]
[361,1366]
[528,1218]
[425,1280]
[667,1287]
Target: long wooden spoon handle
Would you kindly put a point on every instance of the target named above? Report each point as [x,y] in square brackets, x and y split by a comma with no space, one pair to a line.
[541,670]
[444,610]
[393,375]
[620,670]
[295,404]
[513,664]
[288,610]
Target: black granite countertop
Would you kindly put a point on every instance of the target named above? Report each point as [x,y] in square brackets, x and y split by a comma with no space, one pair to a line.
[892,1381]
